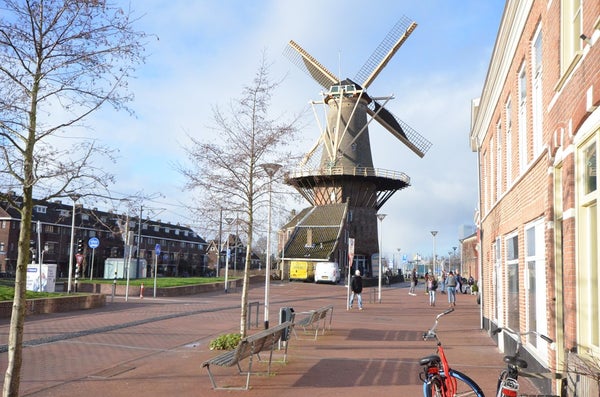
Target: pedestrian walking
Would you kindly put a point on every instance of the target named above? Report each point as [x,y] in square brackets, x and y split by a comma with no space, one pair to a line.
[357,286]
[432,286]
[451,288]
[413,282]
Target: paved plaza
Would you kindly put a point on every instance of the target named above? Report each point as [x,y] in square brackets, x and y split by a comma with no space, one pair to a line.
[155,347]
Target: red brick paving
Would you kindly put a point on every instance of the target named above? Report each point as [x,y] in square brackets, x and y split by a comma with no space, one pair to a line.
[371,351]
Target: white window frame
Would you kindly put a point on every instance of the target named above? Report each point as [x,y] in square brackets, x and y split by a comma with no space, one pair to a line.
[510,262]
[534,281]
[523,142]
[508,144]
[588,254]
[499,149]
[536,92]
[571,28]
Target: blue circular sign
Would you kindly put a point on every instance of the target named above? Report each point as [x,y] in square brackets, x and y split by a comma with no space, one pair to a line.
[93,243]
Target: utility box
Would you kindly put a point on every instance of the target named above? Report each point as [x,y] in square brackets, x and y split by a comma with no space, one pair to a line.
[286,314]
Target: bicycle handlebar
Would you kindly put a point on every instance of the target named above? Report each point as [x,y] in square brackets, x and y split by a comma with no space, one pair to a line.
[519,334]
[431,333]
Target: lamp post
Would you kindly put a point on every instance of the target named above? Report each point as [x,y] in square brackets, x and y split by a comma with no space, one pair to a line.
[398,263]
[271,169]
[73,197]
[381,217]
[227,253]
[433,233]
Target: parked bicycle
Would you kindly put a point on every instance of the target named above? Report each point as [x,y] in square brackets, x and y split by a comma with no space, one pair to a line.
[508,384]
[439,380]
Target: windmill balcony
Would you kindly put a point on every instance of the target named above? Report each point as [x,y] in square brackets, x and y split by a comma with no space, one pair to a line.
[354,171]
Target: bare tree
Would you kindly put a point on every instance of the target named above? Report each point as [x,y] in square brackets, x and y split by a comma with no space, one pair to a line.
[59,62]
[228,174]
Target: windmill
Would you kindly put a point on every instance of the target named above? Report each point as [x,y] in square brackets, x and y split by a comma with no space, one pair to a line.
[345,171]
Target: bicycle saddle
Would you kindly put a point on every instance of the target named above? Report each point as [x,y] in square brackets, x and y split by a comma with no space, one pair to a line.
[434,359]
[515,361]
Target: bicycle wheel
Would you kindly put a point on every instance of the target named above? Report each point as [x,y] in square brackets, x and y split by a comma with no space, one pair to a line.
[433,388]
[465,386]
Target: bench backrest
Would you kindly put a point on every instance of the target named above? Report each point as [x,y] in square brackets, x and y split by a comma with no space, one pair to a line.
[265,339]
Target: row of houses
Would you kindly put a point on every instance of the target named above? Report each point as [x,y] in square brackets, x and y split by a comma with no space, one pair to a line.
[176,249]
[536,129]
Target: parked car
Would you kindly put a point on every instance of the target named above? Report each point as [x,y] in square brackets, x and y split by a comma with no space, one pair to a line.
[327,272]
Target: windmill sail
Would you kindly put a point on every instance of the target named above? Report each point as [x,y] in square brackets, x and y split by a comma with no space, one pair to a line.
[310,65]
[385,51]
[411,138]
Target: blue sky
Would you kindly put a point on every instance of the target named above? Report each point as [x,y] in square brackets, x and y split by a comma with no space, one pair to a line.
[207,50]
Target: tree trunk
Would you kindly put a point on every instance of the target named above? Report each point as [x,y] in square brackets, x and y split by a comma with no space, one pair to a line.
[12,376]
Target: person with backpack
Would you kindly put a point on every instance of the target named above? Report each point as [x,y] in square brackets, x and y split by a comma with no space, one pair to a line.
[432,286]
[357,286]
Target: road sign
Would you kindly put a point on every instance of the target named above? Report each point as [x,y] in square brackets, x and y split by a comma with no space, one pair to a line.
[157,249]
[93,243]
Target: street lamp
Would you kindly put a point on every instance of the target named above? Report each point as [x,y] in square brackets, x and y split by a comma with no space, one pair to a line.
[433,233]
[380,217]
[271,169]
[227,253]
[398,263]
[73,197]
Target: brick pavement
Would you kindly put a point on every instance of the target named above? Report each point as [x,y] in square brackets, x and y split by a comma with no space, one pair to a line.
[155,347]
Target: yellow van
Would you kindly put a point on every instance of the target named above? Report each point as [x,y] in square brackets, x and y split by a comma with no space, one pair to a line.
[302,271]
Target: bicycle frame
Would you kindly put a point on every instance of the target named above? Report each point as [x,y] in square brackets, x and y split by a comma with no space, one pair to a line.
[437,375]
[508,384]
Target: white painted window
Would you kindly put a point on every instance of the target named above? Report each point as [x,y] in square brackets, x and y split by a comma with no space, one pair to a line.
[536,93]
[499,163]
[570,42]
[523,142]
[588,275]
[513,308]
[508,143]
[535,284]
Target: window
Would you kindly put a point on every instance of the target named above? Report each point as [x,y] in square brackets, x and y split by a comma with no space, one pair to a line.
[499,149]
[508,111]
[523,143]
[2,247]
[535,283]
[497,280]
[40,209]
[512,278]
[536,92]
[571,21]
[492,180]
[588,283]
[485,185]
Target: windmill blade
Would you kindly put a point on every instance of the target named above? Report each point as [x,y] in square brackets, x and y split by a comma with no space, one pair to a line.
[399,129]
[385,51]
[310,65]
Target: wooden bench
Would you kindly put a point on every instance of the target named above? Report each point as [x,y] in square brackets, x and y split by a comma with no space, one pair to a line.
[315,321]
[249,347]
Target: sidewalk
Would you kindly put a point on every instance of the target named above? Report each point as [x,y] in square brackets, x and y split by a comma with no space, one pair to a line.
[155,347]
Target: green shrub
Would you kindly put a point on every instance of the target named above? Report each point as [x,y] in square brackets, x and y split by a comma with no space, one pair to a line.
[225,342]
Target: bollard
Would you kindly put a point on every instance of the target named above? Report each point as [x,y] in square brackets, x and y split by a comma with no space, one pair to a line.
[142,291]
[114,289]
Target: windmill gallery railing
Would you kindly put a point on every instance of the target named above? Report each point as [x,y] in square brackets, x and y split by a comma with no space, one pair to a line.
[353,171]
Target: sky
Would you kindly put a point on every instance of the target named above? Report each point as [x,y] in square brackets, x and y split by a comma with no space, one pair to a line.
[204,51]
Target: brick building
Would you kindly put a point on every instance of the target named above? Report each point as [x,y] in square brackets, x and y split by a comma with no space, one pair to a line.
[182,251]
[536,129]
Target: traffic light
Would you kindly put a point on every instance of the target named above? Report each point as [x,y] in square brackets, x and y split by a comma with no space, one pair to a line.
[80,246]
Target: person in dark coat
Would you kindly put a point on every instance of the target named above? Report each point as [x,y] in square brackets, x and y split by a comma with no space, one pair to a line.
[356,285]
